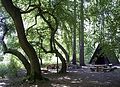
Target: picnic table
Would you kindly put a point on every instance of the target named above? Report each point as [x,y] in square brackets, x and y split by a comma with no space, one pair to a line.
[101,67]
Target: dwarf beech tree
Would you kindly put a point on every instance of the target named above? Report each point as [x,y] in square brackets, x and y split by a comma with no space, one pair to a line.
[15,13]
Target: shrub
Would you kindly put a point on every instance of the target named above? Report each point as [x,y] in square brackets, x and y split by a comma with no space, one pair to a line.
[3,70]
[13,67]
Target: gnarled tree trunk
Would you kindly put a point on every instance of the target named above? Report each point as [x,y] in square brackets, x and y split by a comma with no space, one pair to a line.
[64,67]
[64,51]
[26,46]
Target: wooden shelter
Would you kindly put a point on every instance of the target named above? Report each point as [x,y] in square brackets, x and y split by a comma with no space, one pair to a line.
[100,57]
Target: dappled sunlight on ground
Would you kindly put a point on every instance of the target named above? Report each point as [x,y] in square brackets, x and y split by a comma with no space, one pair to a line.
[86,78]
[34,86]
[78,78]
[59,85]
[4,82]
[65,77]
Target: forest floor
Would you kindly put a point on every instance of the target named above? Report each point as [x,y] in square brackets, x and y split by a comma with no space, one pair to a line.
[82,77]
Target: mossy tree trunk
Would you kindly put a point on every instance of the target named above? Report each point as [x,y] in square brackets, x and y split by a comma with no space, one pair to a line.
[74,36]
[81,39]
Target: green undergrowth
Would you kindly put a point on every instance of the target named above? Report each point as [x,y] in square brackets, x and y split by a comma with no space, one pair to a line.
[10,69]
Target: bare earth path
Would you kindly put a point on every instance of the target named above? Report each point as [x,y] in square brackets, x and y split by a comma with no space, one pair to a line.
[77,78]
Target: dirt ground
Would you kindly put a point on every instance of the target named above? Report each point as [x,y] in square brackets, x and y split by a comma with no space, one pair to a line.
[74,78]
